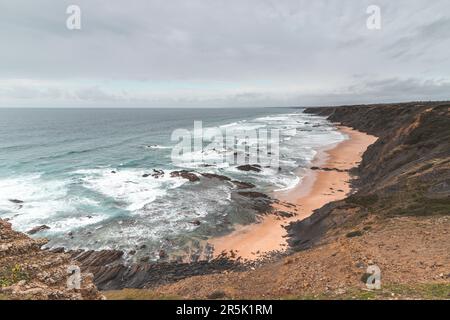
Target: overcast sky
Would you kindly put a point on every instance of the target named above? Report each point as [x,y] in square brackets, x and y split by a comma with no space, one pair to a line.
[222,53]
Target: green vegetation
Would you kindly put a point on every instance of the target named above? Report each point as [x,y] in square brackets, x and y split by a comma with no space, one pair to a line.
[364,201]
[11,275]
[136,294]
[427,291]
[422,206]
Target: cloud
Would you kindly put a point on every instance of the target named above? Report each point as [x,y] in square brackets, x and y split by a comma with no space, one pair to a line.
[362,90]
[231,53]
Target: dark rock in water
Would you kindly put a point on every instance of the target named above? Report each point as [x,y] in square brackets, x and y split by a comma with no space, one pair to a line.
[145,175]
[144,246]
[243,185]
[144,259]
[132,252]
[252,194]
[162,254]
[215,176]
[38,229]
[250,167]
[113,172]
[157,173]
[15,201]
[192,177]
[196,222]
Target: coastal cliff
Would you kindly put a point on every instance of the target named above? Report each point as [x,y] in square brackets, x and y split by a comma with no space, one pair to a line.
[28,272]
[406,172]
[397,218]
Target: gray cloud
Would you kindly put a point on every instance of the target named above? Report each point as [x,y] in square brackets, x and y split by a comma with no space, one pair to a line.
[221,53]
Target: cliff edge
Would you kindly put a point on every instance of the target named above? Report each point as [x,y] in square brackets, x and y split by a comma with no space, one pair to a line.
[28,272]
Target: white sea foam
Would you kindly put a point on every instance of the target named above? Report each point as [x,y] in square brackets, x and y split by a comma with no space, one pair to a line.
[41,198]
[129,186]
[290,183]
[156,207]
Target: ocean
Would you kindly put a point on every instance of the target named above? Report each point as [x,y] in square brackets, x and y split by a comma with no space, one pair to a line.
[86,174]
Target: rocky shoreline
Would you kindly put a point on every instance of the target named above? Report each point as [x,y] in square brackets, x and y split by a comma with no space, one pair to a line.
[404,175]
[113,269]
[406,172]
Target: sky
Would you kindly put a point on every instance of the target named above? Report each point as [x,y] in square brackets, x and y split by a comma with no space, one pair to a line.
[222,53]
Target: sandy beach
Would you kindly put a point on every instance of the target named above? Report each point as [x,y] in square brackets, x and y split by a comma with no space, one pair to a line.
[317,188]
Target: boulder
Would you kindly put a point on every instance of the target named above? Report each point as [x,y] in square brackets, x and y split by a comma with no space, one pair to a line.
[15,201]
[215,176]
[243,185]
[253,194]
[250,167]
[196,222]
[38,229]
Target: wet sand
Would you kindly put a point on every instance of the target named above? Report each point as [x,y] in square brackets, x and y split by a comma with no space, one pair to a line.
[317,188]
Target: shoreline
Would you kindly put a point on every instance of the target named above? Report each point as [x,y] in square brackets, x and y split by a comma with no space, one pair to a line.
[317,188]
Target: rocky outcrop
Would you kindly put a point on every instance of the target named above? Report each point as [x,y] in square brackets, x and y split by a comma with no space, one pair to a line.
[38,229]
[112,272]
[192,177]
[406,172]
[215,176]
[27,272]
[250,167]
[243,185]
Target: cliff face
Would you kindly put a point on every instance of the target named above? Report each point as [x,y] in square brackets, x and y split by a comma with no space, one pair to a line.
[27,272]
[405,173]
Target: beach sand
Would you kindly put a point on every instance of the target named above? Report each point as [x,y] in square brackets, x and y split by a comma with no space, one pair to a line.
[317,188]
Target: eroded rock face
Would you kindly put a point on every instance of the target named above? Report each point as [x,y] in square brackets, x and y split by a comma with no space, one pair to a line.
[28,272]
[406,172]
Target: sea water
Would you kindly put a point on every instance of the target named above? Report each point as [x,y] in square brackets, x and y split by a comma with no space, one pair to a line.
[81,173]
